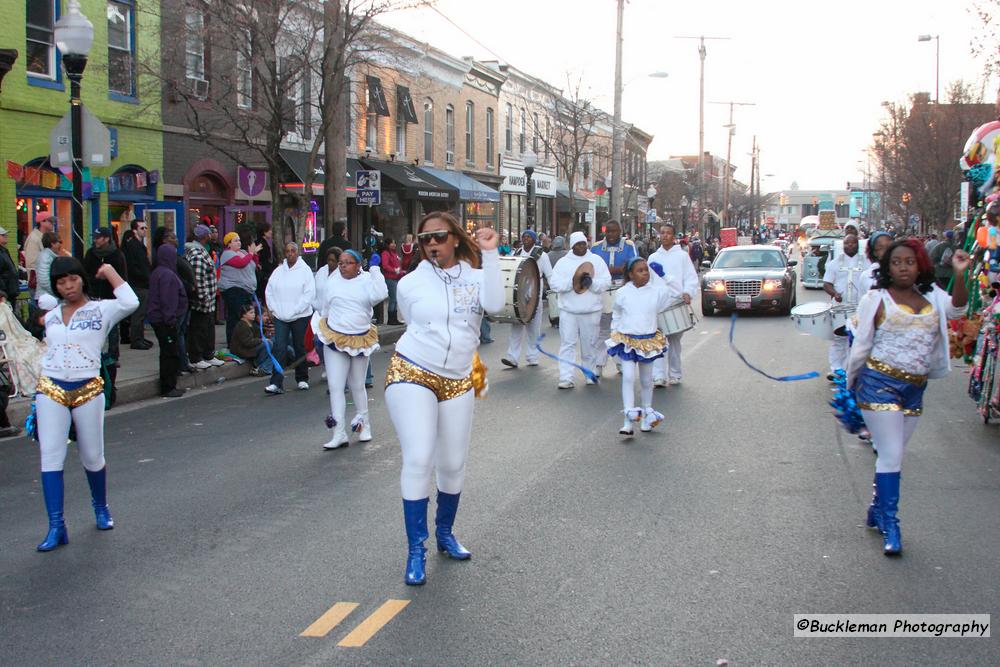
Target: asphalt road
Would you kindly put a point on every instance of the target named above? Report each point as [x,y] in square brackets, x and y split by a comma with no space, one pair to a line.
[235,532]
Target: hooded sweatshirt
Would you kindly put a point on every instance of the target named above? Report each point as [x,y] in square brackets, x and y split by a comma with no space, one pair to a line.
[291,291]
[562,282]
[167,300]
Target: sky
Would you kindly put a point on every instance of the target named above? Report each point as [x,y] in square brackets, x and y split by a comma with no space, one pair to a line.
[817,72]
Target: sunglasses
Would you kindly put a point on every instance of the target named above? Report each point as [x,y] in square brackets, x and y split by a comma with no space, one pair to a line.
[439,237]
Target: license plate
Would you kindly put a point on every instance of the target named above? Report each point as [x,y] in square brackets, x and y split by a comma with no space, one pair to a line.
[742,303]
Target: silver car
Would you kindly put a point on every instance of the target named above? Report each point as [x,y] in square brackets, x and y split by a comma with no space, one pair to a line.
[749,277]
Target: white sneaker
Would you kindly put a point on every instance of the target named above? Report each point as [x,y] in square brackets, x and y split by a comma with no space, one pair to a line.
[531,362]
[566,384]
[215,362]
[627,428]
[338,440]
[662,382]
[273,389]
[303,385]
[202,365]
[673,382]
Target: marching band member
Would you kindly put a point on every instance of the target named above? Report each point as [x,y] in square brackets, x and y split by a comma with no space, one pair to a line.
[901,340]
[672,260]
[71,390]
[616,253]
[344,325]
[529,248]
[435,374]
[636,341]
[580,277]
[842,280]
[874,249]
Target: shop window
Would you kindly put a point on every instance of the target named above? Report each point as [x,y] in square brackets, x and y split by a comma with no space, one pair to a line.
[449,136]
[121,48]
[40,46]
[490,147]
[429,131]
[470,149]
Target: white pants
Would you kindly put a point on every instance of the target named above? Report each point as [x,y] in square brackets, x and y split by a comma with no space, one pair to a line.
[890,430]
[518,332]
[582,327]
[645,372]
[343,370]
[839,351]
[53,431]
[431,435]
[669,365]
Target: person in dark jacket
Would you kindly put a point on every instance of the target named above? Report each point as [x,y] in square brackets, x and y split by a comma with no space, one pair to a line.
[137,263]
[267,263]
[104,251]
[10,283]
[167,305]
[186,273]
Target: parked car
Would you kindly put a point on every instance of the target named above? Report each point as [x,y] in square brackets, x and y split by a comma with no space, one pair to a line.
[755,277]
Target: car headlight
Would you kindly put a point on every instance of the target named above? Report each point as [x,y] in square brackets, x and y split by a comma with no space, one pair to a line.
[716,285]
[772,283]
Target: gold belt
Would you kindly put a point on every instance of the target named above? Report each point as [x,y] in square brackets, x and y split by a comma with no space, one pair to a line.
[892,372]
[402,370]
[71,398]
[344,341]
[654,344]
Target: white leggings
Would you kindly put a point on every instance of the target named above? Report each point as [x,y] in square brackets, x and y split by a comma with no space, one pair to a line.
[890,430]
[645,384]
[343,370]
[431,434]
[53,432]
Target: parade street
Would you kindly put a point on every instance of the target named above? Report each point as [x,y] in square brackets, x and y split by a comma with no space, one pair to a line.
[236,534]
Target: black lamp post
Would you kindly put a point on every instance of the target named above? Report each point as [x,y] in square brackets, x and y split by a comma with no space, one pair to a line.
[74,35]
[530,160]
[685,205]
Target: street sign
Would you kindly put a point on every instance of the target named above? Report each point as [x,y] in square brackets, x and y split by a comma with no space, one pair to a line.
[368,187]
[651,215]
[96,141]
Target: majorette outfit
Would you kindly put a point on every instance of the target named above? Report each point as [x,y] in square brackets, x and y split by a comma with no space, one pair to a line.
[429,392]
[344,326]
[637,342]
[676,264]
[532,329]
[71,390]
[615,257]
[890,363]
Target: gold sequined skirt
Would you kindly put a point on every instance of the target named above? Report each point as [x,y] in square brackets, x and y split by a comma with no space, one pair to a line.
[349,344]
[70,398]
[403,371]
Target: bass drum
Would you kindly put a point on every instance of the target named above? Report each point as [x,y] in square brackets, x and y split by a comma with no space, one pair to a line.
[814,318]
[522,284]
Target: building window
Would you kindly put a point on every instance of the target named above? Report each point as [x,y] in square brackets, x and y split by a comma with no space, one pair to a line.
[371,131]
[490,148]
[244,72]
[194,44]
[534,134]
[470,120]
[428,131]
[449,135]
[548,138]
[41,46]
[520,136]
[400,134]
[121,48]
[509,138]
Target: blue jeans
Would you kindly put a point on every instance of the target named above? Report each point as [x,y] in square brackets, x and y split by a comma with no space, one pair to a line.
[296,331]
[391,285]
[234,298]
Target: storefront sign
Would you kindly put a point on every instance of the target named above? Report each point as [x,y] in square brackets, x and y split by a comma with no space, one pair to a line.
[515,180]
[251,181]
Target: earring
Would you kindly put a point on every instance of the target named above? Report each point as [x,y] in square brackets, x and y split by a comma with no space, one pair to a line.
[456,245]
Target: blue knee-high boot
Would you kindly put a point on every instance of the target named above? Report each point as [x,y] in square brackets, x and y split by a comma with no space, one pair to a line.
[415,516]
[887,485]
[444,519]
[874,511]
[52,490]
[99,498]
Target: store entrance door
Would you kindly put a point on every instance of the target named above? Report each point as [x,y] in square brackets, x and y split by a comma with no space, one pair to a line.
[169,214]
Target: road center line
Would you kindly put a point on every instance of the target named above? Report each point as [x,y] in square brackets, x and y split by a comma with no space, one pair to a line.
[331,619]
[368,627]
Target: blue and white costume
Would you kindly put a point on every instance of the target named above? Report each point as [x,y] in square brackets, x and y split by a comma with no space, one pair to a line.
[616,256]
[676,264]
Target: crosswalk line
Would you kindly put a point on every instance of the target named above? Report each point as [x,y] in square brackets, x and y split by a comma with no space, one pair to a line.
[368,627]
[331,619]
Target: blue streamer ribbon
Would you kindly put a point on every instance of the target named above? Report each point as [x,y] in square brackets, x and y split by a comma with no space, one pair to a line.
[587,373]
[783,378]
[267,344]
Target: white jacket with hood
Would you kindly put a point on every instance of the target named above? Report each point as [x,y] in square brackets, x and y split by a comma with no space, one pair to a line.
[290,291]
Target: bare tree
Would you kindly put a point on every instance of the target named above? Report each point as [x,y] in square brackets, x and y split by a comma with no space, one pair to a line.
[985,43]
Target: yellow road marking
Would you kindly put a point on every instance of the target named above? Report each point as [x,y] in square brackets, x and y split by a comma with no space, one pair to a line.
[329,620]
[361,634]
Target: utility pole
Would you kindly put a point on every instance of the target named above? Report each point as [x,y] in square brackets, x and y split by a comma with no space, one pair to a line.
[754,174]
[702,52]
[729,155]
[616,133]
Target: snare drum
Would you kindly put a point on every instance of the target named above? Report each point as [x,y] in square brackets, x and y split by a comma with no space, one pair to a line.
[552,297]
[608,299]
[816,319]
[840,315]
[522,290]
[676,319]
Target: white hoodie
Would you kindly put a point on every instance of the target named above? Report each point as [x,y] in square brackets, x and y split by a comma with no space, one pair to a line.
[347,304]
[443,311]
[562,282]
[677,263]
[290,291]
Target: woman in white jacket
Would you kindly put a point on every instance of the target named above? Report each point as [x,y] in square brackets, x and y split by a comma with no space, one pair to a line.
[900,341]
[431,378]
[290,293]
[344,326]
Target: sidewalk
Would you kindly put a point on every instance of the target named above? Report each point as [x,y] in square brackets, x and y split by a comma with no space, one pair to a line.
[138,372]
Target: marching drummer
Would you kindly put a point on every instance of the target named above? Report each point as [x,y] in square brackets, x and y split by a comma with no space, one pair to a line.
[579,278]
[844,282]
[671,260]
[529,248]
[616,253]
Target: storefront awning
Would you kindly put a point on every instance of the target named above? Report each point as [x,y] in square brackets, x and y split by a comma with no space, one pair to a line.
[469,189]
[580,204]
[298,164]
[415,183]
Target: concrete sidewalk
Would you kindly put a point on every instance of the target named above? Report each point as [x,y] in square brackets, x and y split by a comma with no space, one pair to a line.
[139,380]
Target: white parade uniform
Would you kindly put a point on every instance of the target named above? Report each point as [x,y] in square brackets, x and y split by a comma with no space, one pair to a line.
[518,331]
[676,264]
[579,314]
[847,275]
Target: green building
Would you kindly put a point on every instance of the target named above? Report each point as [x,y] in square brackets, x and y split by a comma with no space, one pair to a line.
[35,96]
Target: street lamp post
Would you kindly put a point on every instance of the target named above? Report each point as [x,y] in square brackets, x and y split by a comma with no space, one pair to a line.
[937,61]
[74,35]
[530,160]
[685,204]
[651,195]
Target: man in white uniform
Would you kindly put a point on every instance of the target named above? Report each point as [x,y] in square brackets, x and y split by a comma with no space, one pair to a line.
[842,281]
[579,314]
[677,264]
[529,248]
